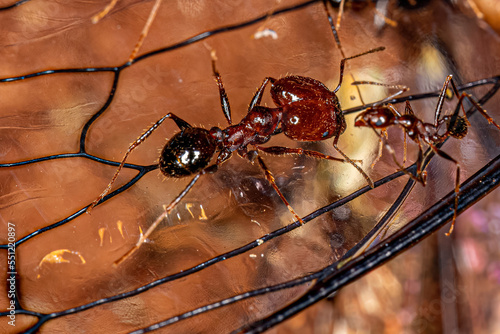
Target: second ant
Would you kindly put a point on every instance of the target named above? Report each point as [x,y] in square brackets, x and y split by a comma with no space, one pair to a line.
[431,134]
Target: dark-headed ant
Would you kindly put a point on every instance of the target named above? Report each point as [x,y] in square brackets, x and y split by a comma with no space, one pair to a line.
[383,116]
[306,110]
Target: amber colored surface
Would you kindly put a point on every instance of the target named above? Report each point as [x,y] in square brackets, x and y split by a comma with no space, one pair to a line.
[489,10]
[444,285]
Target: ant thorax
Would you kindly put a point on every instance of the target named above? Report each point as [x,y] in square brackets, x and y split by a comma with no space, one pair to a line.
[255,128]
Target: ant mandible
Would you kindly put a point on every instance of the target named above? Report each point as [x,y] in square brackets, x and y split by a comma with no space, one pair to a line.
[383,116]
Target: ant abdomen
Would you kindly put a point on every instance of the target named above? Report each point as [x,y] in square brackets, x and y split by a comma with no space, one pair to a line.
[311,112]
[309,120]
[376,117]
[295,88]
[187,153]
[458,129]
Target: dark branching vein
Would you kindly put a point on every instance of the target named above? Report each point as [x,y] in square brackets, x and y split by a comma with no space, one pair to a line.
[330,278]
[72,155]
[63,70]
[87,125]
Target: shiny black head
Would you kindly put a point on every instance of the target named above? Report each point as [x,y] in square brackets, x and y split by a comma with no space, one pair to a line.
[187,153]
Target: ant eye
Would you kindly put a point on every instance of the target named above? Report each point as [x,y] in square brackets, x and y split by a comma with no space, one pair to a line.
[325,134]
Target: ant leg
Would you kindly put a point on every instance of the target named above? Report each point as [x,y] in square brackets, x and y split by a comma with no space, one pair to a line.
[401,89]
[280,150]
[339,16]
[342,63]
[405,146]
[457,183]
[408,109]
[258,94]
[252,155]
[387,20]
[383,133]
[145,30]
[421,174]
[368,179]
[336,37]
[166,212]
[389,148]
[481,110]
[224,101]
[439,106]
[180,123]
[96,18]
[332,26]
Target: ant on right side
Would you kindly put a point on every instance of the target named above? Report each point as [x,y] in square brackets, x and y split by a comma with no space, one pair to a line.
[383,116]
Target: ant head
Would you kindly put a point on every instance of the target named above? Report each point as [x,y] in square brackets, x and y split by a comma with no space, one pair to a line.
[376,117]
[456,127]
[187,153]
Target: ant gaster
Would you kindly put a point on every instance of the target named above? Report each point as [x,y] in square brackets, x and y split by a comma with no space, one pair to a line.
[383,116]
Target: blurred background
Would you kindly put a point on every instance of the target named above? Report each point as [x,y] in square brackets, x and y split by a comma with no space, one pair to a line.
[443,285]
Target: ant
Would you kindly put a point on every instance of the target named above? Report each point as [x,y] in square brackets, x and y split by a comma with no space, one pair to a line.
[306,110]
[383,116]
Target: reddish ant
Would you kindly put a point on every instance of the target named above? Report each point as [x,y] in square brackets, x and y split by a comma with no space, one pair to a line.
[432,134]
[306,111]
